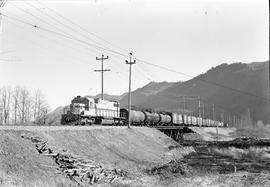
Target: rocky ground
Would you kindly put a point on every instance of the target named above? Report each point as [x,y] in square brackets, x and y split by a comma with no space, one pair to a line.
[240,162]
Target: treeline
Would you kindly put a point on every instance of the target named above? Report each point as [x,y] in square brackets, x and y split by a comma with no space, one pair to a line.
[18,105]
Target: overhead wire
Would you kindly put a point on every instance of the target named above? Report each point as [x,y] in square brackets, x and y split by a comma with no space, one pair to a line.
[66,26]
[143,61]
[36,17]
[78,59]
[63,35]
[3,2]
[83,29]
[5,52]
[29,4]
[10,60]
[27,22]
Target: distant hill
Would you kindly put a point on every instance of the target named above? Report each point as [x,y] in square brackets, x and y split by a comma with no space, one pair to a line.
[54,117]
[249,78]
[111,97]
[141,96]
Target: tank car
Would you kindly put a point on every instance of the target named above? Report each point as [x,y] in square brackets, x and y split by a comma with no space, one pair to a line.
[151,118]
[136,117]
[165,119]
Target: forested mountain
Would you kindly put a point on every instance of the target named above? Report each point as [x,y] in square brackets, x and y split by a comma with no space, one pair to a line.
[235,89]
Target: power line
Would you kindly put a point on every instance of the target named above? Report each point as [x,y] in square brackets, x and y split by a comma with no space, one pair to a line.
[36,17]
[67,26]
[83,29]
[2,3]
[29,4]
[86,48]
[5,52]
[65,36]
[10,60]
[143,61]
[78,59]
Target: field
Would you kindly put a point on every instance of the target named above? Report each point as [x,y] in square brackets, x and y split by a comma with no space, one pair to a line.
[140,156]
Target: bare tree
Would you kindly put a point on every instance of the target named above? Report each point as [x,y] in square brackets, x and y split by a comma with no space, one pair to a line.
[16,93]
[5,104]
[40,107]
[18,105]
[24,96]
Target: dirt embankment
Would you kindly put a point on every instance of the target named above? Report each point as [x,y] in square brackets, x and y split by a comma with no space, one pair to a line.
[130,150]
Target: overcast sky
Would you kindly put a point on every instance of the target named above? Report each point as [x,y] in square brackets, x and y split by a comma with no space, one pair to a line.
[188,36]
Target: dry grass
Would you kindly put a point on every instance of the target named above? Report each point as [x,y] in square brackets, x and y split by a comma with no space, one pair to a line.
[210,133]
[260,131]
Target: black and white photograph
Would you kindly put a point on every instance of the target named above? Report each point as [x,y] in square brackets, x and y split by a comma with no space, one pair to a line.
[134,93]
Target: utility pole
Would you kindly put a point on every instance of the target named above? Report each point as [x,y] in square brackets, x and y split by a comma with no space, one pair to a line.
[102,72]
[2,4]
[214,118]
[269,86]
[129,92]
[213,111]
[184,101]
[200,115]
[203,113]
[222,116]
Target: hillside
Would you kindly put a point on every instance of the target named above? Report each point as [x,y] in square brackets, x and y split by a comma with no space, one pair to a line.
[54,117]
[141,96]
[249,78]
[110,97]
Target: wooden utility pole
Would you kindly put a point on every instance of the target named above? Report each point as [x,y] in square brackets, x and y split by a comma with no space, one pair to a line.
[129,91]
[199,98]
[102,72]
[184,101]
[200,115]
[2,4]
[214,118]
[203,113]
[222,116]
[213,111]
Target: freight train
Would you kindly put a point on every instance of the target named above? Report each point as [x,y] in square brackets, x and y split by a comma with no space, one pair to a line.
[88,110]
